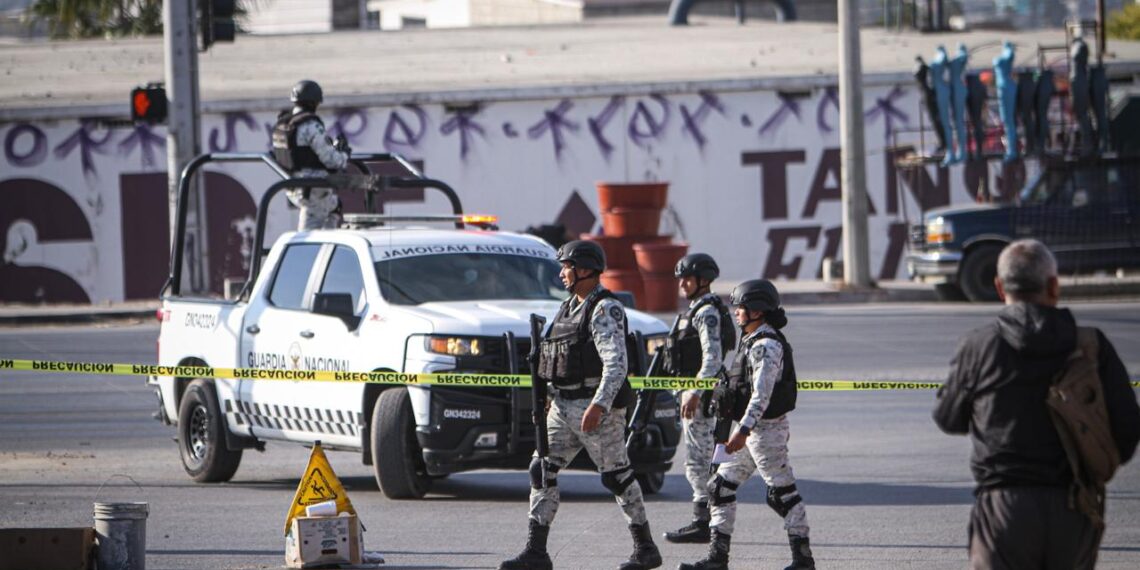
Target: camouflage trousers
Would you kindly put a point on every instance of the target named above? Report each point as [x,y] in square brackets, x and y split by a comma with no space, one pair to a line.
[699,445]
[606,447]
[316,210]
[766,451]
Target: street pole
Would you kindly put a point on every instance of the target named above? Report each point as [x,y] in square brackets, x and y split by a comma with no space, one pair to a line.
[856,256]
[181,58]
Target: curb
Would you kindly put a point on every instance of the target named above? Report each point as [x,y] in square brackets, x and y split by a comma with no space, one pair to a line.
[77,315]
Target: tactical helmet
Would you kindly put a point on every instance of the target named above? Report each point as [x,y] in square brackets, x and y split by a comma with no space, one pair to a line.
[583,254]
[756,295]
[700,265]
[307,92]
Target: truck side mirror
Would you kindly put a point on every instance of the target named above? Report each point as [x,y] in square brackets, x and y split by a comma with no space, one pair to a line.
[337,305]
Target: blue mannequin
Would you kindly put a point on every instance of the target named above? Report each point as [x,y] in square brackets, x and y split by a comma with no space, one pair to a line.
[958,98]
[1007,98]
[942,94]
[1042,98]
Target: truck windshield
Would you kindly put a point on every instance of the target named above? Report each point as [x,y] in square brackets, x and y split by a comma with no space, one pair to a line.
[468,277]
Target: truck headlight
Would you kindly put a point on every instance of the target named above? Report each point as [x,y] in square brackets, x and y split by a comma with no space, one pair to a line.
[454,345]
[652,343]
[939,231]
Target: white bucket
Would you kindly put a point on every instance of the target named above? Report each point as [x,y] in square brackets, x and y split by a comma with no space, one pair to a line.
[120,536]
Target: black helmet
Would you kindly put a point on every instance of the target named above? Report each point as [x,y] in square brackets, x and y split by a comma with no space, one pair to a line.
[756,295]
[700,265]
[307,92]
[583,254]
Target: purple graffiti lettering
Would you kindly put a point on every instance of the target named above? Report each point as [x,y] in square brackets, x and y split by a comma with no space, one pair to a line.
[143,138]
[81,139]
[464,123]
[788,106]
[598,124]
[33,157]
[692,121]
[231,121]
[343,118]
[509,131]
[830,99]
[885,107]
[555,121]
[644,126]
[399,133]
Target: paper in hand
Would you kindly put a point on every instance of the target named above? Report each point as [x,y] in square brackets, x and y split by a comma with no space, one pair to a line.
[720,454]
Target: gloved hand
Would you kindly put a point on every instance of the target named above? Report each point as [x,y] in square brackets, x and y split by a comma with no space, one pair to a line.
[341,144]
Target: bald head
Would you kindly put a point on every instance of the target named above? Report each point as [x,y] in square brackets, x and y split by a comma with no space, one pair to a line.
[1027,271]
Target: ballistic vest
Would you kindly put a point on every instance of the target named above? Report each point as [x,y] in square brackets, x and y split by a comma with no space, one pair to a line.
[568,355]
[683,353]
[740,380]
[285,150]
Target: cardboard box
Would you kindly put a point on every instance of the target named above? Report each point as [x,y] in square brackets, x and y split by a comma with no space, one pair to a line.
[46,548]
[317,541]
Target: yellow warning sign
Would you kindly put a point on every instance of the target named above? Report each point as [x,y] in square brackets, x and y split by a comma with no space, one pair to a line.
[319,484]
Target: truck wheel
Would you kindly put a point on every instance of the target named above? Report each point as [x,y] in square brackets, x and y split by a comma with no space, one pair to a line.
[950,292]
[202,436]
[398,461]
[977,274]
[652,482]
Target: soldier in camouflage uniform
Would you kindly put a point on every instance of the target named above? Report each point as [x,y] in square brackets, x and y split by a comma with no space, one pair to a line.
[760,391]
[301,146]
[696,349]
[583,357]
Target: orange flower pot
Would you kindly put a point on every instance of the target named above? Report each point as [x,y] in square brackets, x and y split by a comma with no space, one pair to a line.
[624,280]
[619,250]
[659,258]
[631,222]
[661,293]
[643,195]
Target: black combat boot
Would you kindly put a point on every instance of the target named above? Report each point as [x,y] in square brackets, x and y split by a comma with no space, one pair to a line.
[801,554]
[697,531]
[718,555]
[645,554]
[534,556]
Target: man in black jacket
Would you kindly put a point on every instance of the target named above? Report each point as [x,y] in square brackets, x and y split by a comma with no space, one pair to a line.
[996,392]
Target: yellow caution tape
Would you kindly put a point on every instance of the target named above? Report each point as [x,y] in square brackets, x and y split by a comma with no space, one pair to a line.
[471,380]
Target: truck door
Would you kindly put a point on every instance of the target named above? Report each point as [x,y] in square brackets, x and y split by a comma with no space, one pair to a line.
[282,332]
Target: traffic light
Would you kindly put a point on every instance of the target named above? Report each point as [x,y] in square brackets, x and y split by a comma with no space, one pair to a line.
[148,104]
[216,21]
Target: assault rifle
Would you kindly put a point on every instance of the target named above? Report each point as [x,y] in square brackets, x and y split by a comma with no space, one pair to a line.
[539,392]
[647,399]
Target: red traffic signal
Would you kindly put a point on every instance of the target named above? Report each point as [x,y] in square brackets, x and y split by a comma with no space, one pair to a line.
[148,104]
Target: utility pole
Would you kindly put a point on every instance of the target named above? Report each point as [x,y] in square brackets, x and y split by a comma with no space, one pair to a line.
[853,179]
[182,144]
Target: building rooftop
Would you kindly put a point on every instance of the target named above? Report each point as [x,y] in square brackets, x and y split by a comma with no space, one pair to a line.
[44,79]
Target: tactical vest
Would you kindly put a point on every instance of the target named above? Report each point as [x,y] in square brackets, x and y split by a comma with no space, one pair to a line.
[740,381]
[683,353]
[568,355]
[285,150]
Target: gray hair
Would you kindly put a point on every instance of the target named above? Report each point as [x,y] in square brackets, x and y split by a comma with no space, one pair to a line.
[1025,267]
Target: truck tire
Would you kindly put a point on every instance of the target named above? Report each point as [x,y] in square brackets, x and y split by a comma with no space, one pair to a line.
[201,436]
[652,482]
[977,274]
[398,462]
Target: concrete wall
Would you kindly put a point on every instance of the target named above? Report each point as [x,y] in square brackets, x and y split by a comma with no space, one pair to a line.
[291,17]
[754,181]
[436,13]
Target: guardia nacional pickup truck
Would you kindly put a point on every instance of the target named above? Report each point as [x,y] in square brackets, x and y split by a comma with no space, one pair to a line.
[377,294]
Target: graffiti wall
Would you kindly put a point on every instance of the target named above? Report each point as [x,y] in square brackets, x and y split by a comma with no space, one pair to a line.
[754,181]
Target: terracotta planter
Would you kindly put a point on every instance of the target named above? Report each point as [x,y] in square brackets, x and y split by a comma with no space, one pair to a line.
[631,222]
[645,195]
[659,258]
[661,293]
[624,280]
[619,250]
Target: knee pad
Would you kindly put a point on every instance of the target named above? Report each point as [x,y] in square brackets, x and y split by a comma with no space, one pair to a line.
[536,473]
[782,499]
[722,491]
[618,480]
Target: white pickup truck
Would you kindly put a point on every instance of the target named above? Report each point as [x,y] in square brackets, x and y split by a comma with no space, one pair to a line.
[376,296]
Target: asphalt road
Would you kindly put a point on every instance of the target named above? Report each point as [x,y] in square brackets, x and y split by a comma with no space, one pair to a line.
[884,488]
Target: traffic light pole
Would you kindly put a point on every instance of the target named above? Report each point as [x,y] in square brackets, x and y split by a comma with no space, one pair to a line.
[853,179]
[182,136]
